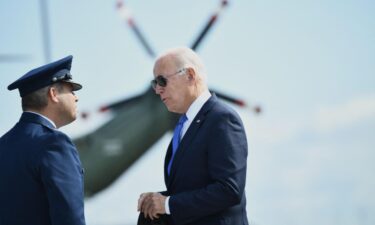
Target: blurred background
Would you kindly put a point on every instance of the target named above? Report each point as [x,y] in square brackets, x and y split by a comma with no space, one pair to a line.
[309,65]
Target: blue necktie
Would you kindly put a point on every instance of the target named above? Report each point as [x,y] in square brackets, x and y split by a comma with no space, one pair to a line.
[176,139]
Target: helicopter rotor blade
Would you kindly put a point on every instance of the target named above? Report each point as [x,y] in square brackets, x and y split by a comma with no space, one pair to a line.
[120,104]
[208,26]
[14,58]
[45,31]
[256,109]
[113,106]
[126,15]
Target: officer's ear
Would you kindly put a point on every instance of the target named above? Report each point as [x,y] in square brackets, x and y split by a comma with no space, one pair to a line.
[53,93]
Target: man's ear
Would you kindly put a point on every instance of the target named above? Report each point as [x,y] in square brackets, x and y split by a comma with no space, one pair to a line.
[191,75]
[52,94]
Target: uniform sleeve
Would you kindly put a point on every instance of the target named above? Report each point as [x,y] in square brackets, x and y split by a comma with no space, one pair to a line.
[62,176]
[227,159]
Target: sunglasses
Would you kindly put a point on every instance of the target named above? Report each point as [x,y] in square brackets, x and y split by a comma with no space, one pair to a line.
[162,80]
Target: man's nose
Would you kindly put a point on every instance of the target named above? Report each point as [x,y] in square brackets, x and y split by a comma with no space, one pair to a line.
[158,89]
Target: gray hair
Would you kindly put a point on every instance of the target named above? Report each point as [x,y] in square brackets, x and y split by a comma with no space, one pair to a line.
[184,58]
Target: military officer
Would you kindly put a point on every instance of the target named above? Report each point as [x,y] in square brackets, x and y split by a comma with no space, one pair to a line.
[40,171]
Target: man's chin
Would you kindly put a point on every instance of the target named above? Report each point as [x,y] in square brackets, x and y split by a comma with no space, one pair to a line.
[170,109]
[73,118]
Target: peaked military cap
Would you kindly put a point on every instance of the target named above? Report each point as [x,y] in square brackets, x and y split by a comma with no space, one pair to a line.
[58,71]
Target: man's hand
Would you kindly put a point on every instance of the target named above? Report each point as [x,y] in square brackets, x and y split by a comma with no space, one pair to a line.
[151,204]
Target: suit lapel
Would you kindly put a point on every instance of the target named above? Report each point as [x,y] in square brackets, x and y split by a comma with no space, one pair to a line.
[187,139]
[168,157]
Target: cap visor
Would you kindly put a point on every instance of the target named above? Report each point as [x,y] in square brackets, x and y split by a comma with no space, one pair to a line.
[75,86]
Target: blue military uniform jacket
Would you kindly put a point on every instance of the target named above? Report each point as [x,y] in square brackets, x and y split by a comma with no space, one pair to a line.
[208,174]
[41,178]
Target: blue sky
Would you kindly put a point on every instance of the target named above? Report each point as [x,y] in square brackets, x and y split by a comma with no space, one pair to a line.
[308,63]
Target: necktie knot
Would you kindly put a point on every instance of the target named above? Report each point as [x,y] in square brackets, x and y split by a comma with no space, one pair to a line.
[177,131]
[182,120]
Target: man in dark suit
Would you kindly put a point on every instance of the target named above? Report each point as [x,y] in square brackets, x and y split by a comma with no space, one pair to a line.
[205,164]
[40,171]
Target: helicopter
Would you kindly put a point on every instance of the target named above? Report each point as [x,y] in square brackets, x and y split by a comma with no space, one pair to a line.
[111,149]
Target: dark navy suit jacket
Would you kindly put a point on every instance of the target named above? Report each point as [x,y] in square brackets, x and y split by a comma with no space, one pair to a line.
[208,173]
[41,178]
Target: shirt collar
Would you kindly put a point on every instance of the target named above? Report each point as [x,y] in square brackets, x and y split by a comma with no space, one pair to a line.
[197,105]
[49,120]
